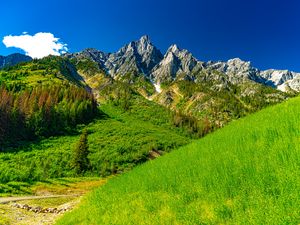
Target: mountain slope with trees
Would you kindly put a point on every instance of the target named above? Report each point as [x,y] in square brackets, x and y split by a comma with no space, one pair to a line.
[118,140]
[213,92]
[13,59]
[132,113]
[42,98]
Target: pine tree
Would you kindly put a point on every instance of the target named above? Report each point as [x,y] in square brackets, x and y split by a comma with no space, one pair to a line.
[80,155]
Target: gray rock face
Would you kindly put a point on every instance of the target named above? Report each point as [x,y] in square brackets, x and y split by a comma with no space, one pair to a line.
[95,55]
[236,70]
[175,62]
[13,59]
[282,79]
[294,84]
[239,71]
[138,57]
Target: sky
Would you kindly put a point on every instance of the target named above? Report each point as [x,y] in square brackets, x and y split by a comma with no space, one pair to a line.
[265,32]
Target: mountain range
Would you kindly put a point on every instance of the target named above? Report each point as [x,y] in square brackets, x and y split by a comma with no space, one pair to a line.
[142,57]
[138,104]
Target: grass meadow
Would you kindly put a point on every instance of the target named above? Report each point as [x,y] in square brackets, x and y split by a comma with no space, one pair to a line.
[118,141]
[245,173]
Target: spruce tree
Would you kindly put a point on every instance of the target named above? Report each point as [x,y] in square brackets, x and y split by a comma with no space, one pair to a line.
[80,155]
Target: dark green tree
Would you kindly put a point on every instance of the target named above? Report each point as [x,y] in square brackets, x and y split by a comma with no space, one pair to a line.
[80,155]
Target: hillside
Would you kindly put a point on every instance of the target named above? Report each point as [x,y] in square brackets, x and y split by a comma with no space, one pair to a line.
[47,71]
[46,103]
[42,98]
[13,59]
[118,141]
[245,173]
[59,92]
[217,92]
[132,106]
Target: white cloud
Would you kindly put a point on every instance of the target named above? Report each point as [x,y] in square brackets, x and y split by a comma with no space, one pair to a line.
[37,46]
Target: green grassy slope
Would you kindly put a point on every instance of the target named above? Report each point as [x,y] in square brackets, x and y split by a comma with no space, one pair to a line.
[47,71]
[245,173]
[117,142]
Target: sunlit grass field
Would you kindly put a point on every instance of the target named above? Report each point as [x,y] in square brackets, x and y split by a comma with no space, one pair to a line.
[118,141]
[245,173]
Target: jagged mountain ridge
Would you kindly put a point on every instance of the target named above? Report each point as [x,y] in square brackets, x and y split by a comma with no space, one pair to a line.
[174,63]
[13,59]
[137,56]
[215,92]
[239,70]
[282,79]
[142,57]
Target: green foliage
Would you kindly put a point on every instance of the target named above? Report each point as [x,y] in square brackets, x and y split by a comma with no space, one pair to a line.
[245,173]
[80,160]
[4,221]
[143,83]
[46,97]
[42,98]
[123,96]
[196,127]
[117,141]
[43,111]
[216,102]
[87,66]
[50,70]
[54,186]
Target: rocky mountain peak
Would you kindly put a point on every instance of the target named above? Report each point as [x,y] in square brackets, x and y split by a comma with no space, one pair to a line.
[238,65]
[236,69]
[139,56]
[95,53]
[143,58]
[92,54]
[237,62]
[173,48]
[144,45]
[176,61]
[179,53]
[140,46]
[145,39]
[282,79]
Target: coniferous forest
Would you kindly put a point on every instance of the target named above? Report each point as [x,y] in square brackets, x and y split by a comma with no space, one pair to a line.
[30,110]
[169,113]
[43,111]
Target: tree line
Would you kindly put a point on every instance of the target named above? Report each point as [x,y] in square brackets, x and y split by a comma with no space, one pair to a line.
[43,111]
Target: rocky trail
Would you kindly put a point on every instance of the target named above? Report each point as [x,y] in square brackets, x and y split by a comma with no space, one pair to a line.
[5,200]
[46,206]
[33,214]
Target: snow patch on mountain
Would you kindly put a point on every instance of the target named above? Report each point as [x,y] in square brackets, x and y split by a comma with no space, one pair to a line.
[157,87]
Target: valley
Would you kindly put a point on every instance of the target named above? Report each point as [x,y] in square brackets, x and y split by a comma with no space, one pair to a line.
[215,130]
[244,173]
[46,198]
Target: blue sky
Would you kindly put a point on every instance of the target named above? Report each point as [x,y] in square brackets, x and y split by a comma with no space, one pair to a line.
[267,33]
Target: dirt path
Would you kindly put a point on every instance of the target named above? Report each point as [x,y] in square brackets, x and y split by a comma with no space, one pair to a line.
[19,216]
[56,195]
[6,200]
